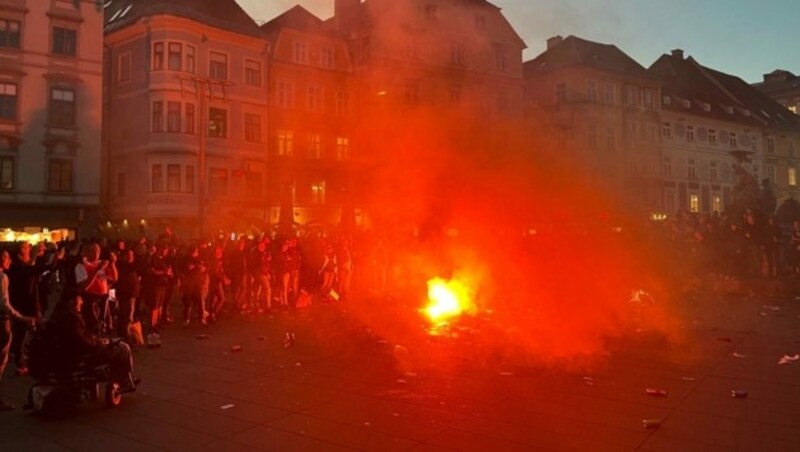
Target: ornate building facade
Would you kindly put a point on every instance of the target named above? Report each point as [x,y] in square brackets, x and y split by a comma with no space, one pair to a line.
[50,117]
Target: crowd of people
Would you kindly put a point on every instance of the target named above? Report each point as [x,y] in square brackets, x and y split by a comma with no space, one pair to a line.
[121,286]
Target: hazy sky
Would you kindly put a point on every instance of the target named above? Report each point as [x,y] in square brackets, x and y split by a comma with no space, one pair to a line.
[743,37]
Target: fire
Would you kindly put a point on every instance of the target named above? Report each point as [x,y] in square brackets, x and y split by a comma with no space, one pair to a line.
[447,300]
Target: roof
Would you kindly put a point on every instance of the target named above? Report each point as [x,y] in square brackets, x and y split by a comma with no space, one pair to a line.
[573,51]
[222,14]
[297,18]
[779,82]
[707,92]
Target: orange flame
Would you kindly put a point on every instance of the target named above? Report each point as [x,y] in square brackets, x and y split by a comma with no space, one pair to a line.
[447,300]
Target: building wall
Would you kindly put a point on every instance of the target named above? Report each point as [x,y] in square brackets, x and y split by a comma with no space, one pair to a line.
[51,148]
[154,153]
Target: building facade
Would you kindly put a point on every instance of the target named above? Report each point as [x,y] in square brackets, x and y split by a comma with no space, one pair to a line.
[311,119]
[783,87]
[185,106]
[605,108]
[50,117]
[708,117]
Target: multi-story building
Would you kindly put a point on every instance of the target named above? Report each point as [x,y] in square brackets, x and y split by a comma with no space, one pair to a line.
[311,118]
[185,116]
[605,108]
[50,117]
[433,78]
[706,115]
[783,87]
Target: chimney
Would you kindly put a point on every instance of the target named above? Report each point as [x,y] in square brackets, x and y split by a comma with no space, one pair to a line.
[677,53]
[345,12]
[554,41]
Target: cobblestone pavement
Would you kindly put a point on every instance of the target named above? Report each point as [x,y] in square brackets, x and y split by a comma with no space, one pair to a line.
[340,387]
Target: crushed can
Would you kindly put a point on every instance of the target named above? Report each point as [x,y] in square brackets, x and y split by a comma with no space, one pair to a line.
[236,348]
[739,394]
[656,392]
[652,423]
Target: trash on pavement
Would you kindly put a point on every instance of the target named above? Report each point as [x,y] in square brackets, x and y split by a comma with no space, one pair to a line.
[652,423]
[201,336]
[656,392]
[786,359]
[739,355]
[227,407]
[236,348]
[739,394]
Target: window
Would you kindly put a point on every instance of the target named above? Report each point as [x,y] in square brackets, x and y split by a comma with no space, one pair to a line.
[285,94]
[561,93]
[158,56]
[62,107]
[342,102]
[611,139]
[694,203]
[318,193]
[690,134]
[8,101]
[630,96]
[609,95]
[217,123]
[667,167]
[591,91]
[124,68]
[712,136]
[480,22]
[59,176]
[174,56]
[314,98]
[712,171]
[772,173]
[342,148]
[156,179]
[363,50]
[6,173]
[733,139]
[252,73]
[327,57]
[174,117]
[64,41]
[157,119]
[669,200]
[716,203]
[456,54]
[754,143]
[503,103]
[174,178]
[412,92]
[285,143]
[666,130]
[190,121]
[455,93]
[503,60]
[631,131]
[791,148]
[692,171]
[252,128]
[190,59]
[314,146]
[300,52]
[218,66]
[10,34]
[592,136]
[120,184]
[217,182]
[770,145]
[189,187]
[792,176]
[649,99]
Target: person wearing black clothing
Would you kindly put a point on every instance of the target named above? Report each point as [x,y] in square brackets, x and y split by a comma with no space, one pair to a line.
[7,314]
[23,289]
[217,282]
[236,266]
[160,274]
[128,289]
[194,276]
[77,343]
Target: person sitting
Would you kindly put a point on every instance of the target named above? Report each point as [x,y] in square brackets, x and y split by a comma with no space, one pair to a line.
[77,343]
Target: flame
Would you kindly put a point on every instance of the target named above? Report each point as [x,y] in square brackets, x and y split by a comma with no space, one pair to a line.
[447,300]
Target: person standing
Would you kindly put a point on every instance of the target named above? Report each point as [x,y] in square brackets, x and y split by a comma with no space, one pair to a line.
[7,315]
[128,289]
[193,275]
[23,283]
[160,274]
[217,282]
[262,272]
[93,277]
[236,266]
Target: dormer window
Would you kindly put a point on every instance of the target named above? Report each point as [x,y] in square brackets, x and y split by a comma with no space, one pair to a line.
[686,103]
[667,100]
